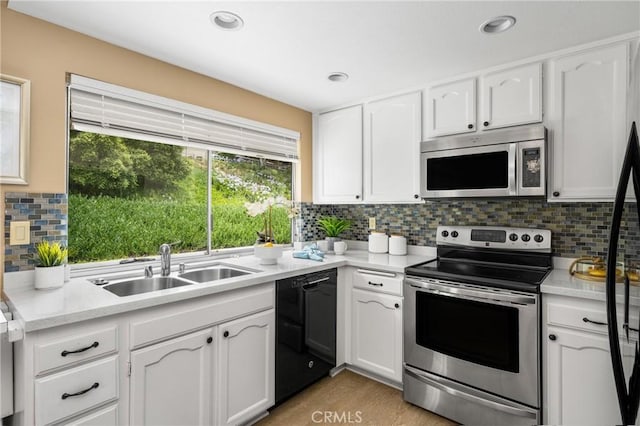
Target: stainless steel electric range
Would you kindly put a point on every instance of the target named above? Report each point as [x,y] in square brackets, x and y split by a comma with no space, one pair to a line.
[472,325]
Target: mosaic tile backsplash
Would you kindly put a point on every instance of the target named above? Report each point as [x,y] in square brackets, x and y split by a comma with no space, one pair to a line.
[48,216]
[578,229]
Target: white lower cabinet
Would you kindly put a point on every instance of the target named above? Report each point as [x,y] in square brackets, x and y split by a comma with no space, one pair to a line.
[581,386]
[204,361]
[578,383]
[246,367]
[376,333]
[172,381]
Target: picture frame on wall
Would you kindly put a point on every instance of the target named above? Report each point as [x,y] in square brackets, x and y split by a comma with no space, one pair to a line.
[15,94]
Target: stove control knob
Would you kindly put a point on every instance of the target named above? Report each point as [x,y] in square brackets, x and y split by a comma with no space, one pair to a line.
[538,238]
[525,238]
[454,234]
[445,234]
[513,237]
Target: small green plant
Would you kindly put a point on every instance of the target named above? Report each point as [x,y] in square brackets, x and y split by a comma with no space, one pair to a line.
[51,254]
[333,226]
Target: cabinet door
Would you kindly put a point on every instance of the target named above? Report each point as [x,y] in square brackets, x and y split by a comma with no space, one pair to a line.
[392,133]
[579,380]
[512,97]
[246,367]
[376,335]
[171,382]
[451,108]
[337,169]
[588,123]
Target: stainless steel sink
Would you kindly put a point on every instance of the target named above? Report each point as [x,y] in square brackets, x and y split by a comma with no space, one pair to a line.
[212,274]
[144,285]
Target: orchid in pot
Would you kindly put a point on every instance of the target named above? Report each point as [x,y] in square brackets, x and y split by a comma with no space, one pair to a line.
[49,272]
[265,247]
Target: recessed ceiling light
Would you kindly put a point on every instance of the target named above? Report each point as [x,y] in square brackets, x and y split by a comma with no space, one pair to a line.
[226,20]
[498,24]
[338,77]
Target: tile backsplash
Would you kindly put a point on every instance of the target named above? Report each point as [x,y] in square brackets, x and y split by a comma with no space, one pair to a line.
[578,229]
[48,215]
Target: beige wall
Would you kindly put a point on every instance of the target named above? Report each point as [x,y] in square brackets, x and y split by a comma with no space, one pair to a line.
[43,53]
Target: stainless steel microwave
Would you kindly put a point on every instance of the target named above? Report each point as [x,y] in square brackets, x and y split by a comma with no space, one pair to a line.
[498,163]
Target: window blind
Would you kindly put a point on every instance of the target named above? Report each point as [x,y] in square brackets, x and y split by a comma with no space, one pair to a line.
[105,108]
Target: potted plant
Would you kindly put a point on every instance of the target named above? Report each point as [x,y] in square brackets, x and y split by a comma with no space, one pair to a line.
[333,227]
[265,247]
[50,270]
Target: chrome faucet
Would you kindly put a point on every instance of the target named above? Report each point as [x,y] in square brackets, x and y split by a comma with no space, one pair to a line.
[165,260]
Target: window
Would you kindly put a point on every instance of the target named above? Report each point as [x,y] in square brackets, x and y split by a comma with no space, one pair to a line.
[132,189]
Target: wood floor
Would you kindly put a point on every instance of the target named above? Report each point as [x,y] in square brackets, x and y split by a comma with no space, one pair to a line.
[349,398]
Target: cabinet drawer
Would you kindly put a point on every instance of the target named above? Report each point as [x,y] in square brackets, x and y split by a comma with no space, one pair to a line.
[76,390]
[587,315]
[105,417]
[62,351]
[383,282]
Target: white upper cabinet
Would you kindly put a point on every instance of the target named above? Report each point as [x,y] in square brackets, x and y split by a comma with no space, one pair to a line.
[392,134]
[511,97]
[337,156]
[451,108]
[587,122]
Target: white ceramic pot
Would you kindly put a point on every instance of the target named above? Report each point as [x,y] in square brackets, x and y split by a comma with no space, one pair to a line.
[378,242]
[267,255]
[397,245]
[49,277]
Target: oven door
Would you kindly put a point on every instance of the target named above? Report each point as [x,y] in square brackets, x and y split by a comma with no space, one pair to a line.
[483,171]
[480,336]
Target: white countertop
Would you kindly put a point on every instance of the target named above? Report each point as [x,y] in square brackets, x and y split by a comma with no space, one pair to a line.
[559,282]
[80,300]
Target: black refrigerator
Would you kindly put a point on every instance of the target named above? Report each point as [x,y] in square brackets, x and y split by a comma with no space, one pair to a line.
[628,393]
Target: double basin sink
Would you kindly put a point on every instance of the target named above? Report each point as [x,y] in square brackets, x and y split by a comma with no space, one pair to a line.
[144,285]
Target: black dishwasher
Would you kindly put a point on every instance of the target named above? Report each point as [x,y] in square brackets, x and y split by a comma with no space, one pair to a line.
[305,331]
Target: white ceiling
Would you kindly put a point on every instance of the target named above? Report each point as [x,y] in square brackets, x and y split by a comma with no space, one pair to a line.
[286,49]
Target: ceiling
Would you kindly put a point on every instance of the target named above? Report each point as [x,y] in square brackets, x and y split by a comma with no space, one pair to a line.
[286,50]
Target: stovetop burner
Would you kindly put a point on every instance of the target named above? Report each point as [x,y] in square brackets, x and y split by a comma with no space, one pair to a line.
[496,257]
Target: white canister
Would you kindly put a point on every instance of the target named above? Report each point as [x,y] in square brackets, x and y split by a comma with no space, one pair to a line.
[378,242]
[397,245]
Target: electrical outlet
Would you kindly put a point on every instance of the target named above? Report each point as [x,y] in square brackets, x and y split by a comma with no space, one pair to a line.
[19,233]
[372,223]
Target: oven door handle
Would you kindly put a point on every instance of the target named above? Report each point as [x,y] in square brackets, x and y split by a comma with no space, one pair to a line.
[436,287]
[477,399]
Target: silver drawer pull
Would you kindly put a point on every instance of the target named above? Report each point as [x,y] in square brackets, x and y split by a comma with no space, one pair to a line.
[91,346]
[376,284]
[82,392]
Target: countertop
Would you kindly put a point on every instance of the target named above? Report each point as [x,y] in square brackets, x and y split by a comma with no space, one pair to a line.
[559,282]
[80,300]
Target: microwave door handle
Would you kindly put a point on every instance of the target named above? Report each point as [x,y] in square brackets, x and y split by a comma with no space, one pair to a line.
[436,382]
[513,169]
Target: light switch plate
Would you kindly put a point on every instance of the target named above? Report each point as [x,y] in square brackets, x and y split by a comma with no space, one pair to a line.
[19,233]
[372,223]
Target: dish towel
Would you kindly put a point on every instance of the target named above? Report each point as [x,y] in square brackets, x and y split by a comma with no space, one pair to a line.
[311,252]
